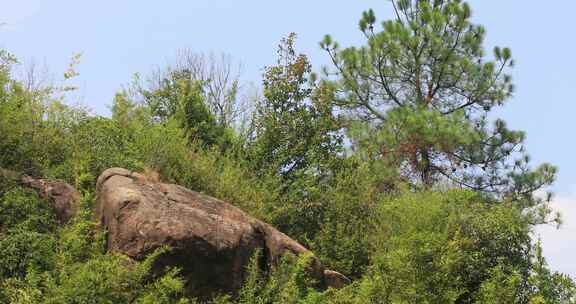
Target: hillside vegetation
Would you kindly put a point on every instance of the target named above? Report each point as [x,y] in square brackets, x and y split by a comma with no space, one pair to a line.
[387,165]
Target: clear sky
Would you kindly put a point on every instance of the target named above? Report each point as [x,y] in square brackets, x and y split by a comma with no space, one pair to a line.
[121,37]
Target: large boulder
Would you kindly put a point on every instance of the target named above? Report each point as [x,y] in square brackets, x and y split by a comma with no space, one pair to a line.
[210,240]
[62,197]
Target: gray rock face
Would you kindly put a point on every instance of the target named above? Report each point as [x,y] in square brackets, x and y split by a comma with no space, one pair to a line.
[212,241]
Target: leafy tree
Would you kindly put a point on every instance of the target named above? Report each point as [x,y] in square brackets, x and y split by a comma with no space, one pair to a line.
[127,113]
[441,247]
[34,124]
[217,75]
[452,247]
[296,131]
[338,234]
[181,98]
[296,142]
[420,92]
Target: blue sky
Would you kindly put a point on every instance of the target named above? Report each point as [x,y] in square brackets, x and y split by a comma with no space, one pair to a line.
[120,38]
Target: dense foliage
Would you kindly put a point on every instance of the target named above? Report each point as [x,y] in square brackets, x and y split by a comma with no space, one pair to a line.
[387,169]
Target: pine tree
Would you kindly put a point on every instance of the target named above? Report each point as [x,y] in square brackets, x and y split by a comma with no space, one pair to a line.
[420,92]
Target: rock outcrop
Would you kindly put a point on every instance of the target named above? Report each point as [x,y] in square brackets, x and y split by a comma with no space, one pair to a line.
[210,240]
[62,197]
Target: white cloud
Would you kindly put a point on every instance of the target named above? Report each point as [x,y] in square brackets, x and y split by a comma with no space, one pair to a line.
[559,245]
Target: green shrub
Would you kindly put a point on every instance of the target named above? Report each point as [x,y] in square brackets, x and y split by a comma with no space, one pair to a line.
[22,251]
[22,209]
